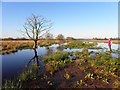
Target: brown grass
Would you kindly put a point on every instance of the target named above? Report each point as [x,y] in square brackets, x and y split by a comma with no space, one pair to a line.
[13,46]
[10,46]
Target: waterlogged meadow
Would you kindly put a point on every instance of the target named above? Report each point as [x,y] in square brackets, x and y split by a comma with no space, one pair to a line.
[75,64]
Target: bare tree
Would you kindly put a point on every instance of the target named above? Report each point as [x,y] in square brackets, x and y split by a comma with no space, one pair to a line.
[35,27]
[48,35]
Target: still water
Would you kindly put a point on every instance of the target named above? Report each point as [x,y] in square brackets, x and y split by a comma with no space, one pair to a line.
[13,64]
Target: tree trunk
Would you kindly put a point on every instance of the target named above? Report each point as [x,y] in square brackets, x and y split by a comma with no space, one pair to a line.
[35,44]
[36,57]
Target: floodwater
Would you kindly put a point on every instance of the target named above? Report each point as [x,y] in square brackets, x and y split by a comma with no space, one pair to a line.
[105,46]
[13,64]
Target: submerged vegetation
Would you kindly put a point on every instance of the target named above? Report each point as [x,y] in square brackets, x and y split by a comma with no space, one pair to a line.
[72,69]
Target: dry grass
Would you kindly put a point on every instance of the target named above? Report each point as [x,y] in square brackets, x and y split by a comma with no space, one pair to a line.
[10,46]
[13,46]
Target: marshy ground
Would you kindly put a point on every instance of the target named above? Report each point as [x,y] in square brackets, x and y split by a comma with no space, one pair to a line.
[64,69]
[10,46]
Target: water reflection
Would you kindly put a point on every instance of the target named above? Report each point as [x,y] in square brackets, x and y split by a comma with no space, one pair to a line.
[34,59]
[49,50]
[73,50]
[60,48]
[37,60]
[13,64]
[105,46]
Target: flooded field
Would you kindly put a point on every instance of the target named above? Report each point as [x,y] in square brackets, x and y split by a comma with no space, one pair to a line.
[22,57]
[14,64]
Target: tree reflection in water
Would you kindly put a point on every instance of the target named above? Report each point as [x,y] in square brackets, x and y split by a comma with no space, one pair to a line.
[60,48]
[35,59]
[49,50]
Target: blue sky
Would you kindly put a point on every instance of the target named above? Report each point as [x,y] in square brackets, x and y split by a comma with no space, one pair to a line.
[79,20]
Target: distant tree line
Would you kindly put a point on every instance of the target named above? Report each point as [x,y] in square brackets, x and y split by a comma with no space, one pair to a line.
[10,38]
[50,36]
[106,38]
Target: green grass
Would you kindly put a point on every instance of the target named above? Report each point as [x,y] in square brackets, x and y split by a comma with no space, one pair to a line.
[79,44]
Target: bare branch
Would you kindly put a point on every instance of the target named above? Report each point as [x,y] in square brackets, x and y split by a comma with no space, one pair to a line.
[27,32]
[36,26]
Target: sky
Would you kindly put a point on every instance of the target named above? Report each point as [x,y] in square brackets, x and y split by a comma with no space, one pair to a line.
[75,19]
